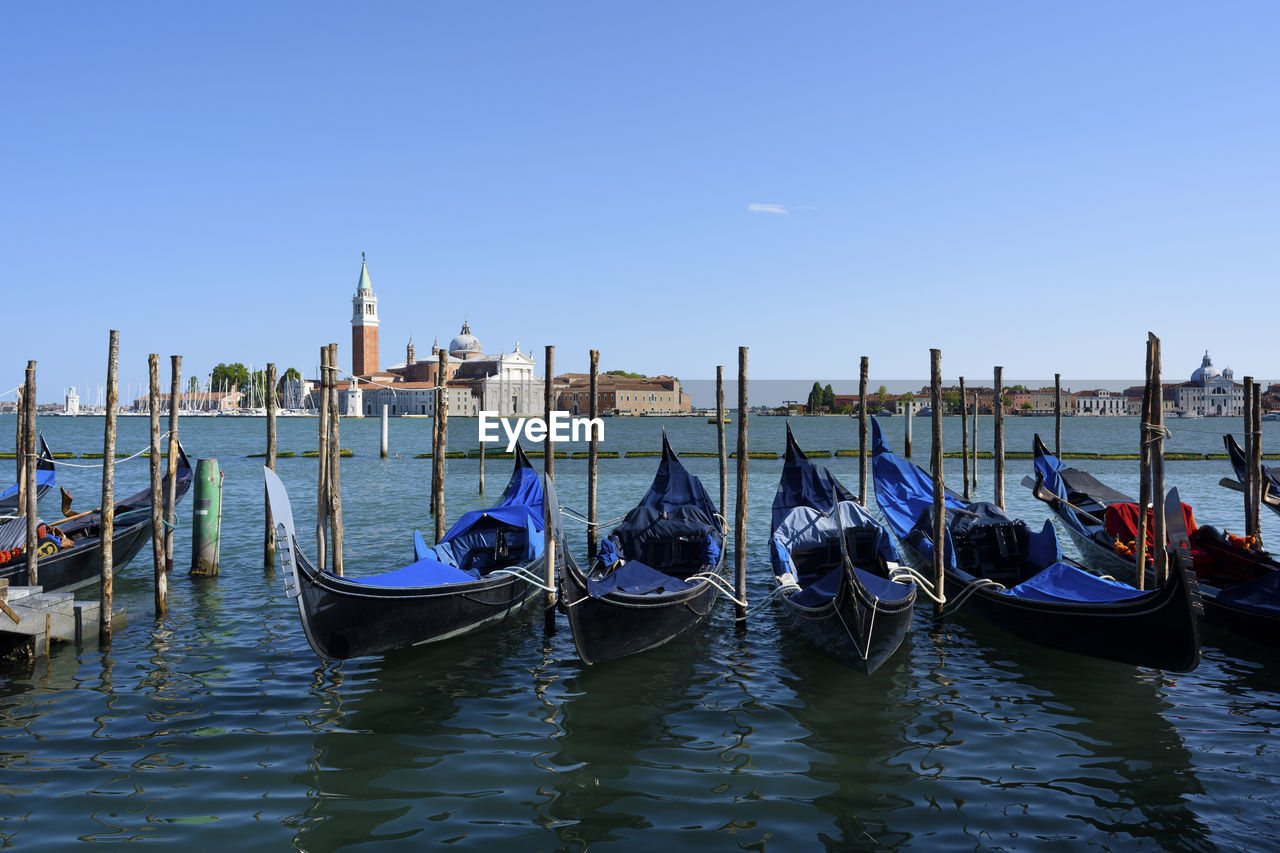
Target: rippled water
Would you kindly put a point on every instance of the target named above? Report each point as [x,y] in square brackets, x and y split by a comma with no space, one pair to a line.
[217,727]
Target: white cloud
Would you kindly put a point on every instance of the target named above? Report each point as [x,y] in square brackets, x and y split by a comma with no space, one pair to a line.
[767,208]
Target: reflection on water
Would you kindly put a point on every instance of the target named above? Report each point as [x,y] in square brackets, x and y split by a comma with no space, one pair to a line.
[217,727]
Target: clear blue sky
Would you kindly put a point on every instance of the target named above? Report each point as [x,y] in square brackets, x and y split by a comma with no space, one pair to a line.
[1027,184]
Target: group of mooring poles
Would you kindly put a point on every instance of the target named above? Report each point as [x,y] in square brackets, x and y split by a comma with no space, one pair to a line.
[163,480]
[329,478]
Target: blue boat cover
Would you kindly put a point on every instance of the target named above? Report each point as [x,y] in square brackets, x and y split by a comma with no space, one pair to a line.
[1261,595]
[1064,582]
[804,484]
[806,527]
[452,559]
[44,479]
[825,589]
[674,523]
[903,491]
[635,578]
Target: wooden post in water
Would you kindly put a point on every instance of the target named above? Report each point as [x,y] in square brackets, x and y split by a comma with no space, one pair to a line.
[482,445]
[1144,477]
[964,439]
[1256,464]
[862,430]
[29,456]
[322,479]
[442,441]
[1248,455]
[335,454]
[1057,415]
[548,405]
[593,412]
[157,498]
[939,483]
[973,446]
[108,493]
[171,466]
[998,409]
[269,539]
[549,469]
[437,465]
[906,427]
[1158,527]
[740,517]
[720,450]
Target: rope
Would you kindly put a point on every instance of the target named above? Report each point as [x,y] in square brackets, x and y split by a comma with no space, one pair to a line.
[574,517]
[968,591]
[526,576]
[66,464]
[721,584]
[781,590]
[901,574]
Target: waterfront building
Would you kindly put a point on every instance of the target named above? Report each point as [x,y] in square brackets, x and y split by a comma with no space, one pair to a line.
[622,395]
[1210,393]
[364,325]
[71,405]
[1100,402]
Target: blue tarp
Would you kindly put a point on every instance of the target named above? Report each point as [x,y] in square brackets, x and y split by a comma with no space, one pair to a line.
[903,491]
[825,589]
[635,578]
[1261,595]
[1064,582]
[804,484]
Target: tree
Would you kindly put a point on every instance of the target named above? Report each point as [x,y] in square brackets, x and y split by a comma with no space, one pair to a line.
[227,376]
[951,402]
[814,403]
[829,398]
[1026,406]
[193,385]
[626,374]
[882,397]
[290,374]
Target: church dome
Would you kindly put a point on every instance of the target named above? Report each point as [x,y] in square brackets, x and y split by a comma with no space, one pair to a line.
[1205,371]
[465,344]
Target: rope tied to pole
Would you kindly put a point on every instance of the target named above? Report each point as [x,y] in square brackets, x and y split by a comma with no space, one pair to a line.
[141,452]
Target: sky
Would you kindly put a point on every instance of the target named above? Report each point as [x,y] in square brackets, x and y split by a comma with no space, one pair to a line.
[1034,185]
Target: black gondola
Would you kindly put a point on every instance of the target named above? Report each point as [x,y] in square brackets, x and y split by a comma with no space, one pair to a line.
[488,566]
[1239,585]
[80,564]
[1270,476]
[833,567]
[1017,579]
[46,476]
[658,572]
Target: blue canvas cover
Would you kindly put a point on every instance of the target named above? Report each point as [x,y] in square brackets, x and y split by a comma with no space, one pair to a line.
[674,522]
[1063,582]
[806,527]
[46,478]
[804,484]
[1261,595]
[903,491]
[521,507]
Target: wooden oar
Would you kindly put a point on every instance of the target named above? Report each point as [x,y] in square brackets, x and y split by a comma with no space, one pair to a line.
[66,502]
[1041,493]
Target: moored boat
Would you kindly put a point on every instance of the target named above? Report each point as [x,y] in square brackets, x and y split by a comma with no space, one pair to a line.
[833,563]
[46,477]
[1017,578]
[1270,476]
[481,573]
[658,572]
[1239,584]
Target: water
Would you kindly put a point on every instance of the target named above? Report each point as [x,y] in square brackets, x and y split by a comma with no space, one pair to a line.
[218,728]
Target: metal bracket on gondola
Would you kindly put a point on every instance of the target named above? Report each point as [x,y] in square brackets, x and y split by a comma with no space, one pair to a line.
[286,560]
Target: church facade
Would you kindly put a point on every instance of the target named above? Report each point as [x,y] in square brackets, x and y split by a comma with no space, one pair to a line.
[474,381]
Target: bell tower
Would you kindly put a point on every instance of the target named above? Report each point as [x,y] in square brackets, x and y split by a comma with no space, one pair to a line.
[364,325]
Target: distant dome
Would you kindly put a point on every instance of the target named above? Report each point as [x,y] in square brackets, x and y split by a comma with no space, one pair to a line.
[1205,371]
[465,343]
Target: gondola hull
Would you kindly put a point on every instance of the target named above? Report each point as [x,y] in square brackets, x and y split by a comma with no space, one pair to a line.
[618,624]
[854,628]
[344,618]
[1157,630]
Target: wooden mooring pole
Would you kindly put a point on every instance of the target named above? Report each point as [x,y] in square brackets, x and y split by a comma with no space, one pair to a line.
[1159,533]
[720,450]
[482,446]
[442,441]
[863,369]
[740,516]
[1257,488]
[382,438]
[973,447]
[549,471]
[1248,455]
[171,466]
[30,454]
[1057,415]
[108,493]
[19,451]
[269,535]
[939,483]
[593,461]
[1144,477]
[335,454]
[161,579]
[908,407]
[998,409]
[322,479]
[964,439]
